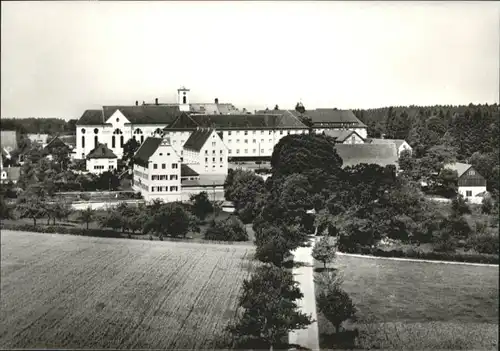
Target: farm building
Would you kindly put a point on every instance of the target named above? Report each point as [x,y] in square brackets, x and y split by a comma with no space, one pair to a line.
[380,154]
[471,184]
[345,136]
[101,159]
[401,145]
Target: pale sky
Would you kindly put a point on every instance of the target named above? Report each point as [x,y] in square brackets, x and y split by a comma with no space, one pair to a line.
[61,58]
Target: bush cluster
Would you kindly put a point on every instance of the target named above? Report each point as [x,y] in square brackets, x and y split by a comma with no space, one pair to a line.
[230,229]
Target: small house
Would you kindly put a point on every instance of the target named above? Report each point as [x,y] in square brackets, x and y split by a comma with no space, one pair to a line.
[471,184]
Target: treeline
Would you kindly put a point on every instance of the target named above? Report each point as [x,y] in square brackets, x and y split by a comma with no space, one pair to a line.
[51,126]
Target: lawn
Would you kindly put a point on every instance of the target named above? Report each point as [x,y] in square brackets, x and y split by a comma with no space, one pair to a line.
[419,305]
[62,291]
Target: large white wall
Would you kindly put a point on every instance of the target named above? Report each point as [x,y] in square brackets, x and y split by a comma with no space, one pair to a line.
[162,178]
[475,190]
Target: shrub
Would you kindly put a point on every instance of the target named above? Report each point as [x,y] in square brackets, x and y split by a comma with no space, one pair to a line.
[230,229]
[85,197]
[487,205]
[485,243]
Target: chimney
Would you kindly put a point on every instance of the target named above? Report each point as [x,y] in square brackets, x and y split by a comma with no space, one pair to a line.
[156,101]
[216,101]
[136,103]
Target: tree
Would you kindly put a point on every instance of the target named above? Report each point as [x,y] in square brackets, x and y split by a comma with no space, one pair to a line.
[5,209]
[272,247]
[31,204]
[487,205]
[86,216]
[270,309]
[168,219]
[336,305]
[459,206]
[112,219]
[201,205]
[129,150]
[324,251]
[230,229]
[446,183]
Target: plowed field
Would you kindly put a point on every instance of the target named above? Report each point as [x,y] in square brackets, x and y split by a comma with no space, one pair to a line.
[61,291]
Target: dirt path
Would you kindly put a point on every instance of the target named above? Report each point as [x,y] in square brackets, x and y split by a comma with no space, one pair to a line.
[305,276]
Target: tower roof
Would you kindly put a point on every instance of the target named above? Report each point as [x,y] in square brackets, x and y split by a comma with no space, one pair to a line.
[183,88]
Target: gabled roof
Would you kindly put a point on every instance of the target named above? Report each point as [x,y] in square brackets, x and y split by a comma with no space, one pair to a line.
[69,140]
[244,121]
[340,135]
[322,115]
[197,139]
[8,140]
[355,154]
[187,171]
[397,142]
[184,121]
[145,114]
[101,151]
[147,148]
[461,168]
[55,142]
[91,117]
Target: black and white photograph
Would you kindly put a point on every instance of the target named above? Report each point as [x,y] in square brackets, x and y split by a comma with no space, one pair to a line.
[249,175]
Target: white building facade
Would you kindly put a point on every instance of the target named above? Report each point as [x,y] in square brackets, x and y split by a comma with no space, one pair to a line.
[157,170]
[101,159]
[246,136]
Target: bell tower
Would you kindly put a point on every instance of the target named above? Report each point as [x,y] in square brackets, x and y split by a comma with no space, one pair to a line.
[183,98]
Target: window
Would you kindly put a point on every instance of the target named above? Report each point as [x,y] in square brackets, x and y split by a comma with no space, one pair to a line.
[174,165]
[96,141]
[261,151]
[471,172]
[237,151]
[173,188]
[246,141]
[353,139]
[229,140]
[221,166]
[163,166]
[281,132]
[206,159]
[113,142]
[83,130]
[229,133]
[468,193]
[237,140]
[246,151]
[83,142]
[253,132]
[121,140]
[213,152]
[246,132]
[118,120]
[270,132]
[221,159]
[229,151]
[254,151]
[153,189]
[142,139]
[288,132]
[173,177]
[261,140]
[270,140]
[213,166]
[163,177]
[96,131]
[206,152]
[182,159]
[221,152]
[213,159]
[111,167]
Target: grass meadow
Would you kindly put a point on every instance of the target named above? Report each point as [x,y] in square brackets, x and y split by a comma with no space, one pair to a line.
[419,305]
[62,291]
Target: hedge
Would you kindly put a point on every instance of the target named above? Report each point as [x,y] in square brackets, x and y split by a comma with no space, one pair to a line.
[439,256]
[52,229]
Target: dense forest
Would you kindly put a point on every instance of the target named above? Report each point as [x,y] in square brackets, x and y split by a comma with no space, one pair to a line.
[51,126]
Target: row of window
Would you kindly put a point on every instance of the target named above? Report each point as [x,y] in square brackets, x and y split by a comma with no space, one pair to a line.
[214,160]
[98,167]
[213,152]
[246,151]
[263,131]
[164,166]
[164,177]
[254,141]
[160,189]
